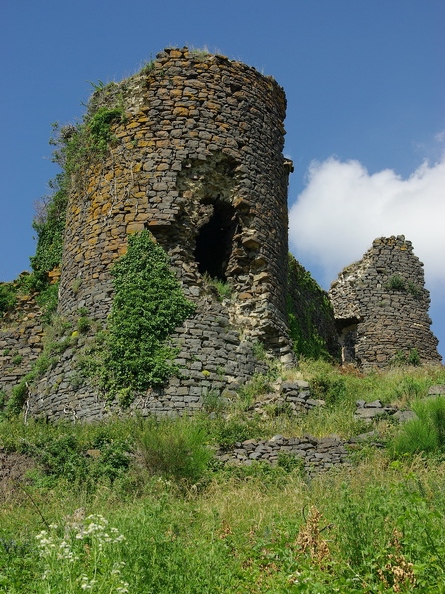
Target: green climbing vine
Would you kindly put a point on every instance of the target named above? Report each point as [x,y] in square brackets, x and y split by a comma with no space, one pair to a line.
[302,324]
[148,305]
[76,148]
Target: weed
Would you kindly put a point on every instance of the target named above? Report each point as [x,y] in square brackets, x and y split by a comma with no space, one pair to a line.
[48,300]
[259,351]
[311,541]
[225,432]
[7,297]
[213,402]
[290,463]
[222,289]
[415,291]
[76,285]
[426,433]
[83,324]
[330,389]
[76,380]
[411,388]
[259,384]
[17,359]
[79,556]
[175,448]
[402,358]
[200,53]
[395,283]
[148,67]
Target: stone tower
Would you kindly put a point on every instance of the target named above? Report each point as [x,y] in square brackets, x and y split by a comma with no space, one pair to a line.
[381,307]
[197,160]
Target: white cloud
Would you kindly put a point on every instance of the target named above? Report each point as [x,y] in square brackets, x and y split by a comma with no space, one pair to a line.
[343,209]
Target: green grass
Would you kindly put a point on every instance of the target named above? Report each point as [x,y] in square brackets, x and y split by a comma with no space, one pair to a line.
[147,511]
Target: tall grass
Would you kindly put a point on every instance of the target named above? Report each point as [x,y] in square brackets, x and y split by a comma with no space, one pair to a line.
[426,433]
[377,526]
[175,448]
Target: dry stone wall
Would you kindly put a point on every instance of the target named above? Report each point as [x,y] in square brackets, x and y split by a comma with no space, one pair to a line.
[315,455]
[213,362]
[21,341]
[381,307]
[198,161]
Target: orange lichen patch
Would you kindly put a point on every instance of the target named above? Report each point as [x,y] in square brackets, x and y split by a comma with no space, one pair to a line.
[134,227]
[181,111]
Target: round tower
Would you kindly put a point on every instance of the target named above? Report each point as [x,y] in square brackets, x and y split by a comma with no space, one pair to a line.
[197,159]
[194,155]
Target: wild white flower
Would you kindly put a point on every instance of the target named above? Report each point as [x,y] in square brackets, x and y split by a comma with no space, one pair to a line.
[62,552]
[87,584]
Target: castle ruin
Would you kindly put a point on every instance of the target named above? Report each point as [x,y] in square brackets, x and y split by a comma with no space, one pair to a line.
[196,160]
[381,307]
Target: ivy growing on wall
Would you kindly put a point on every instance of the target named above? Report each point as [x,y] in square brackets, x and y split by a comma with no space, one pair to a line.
[308,308]
[148,305]
[7,297]
[76,148]
[49,225]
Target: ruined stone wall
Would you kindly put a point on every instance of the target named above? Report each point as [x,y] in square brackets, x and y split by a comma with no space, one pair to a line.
[21,337]
[381,307]
[198,161]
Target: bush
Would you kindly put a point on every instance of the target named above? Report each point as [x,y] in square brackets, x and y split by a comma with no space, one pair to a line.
[330,389]
[259,384]
[395,283]
[7,297]
[226,432]
[175,448]
[411,358]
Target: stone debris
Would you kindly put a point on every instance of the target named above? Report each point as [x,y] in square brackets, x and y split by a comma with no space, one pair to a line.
[291,397]
[369,411]
[437,390]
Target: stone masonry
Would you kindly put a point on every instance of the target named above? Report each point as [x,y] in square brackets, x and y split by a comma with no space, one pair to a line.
[381,307]
[197,160]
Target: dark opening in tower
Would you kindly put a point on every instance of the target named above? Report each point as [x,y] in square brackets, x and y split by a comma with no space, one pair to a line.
[214,241]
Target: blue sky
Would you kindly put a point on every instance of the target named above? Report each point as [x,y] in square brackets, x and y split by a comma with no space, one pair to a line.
[366,107]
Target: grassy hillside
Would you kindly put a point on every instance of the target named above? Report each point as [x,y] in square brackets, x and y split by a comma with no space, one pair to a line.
[138,506]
